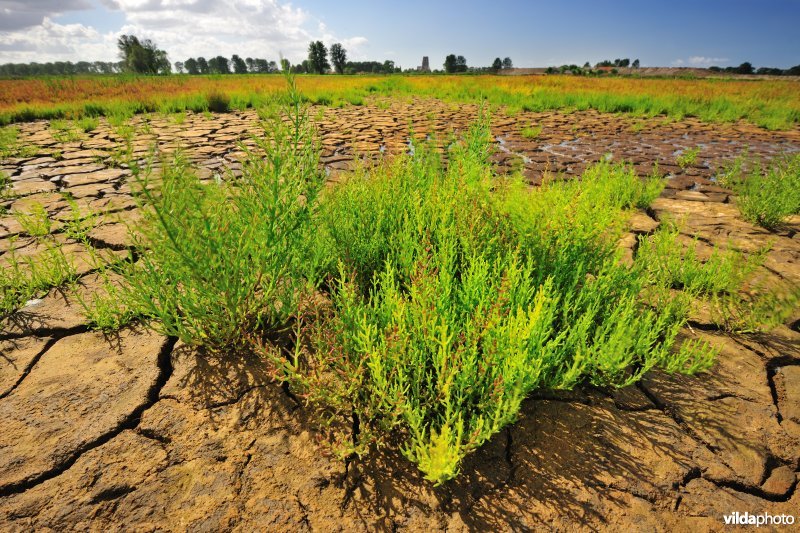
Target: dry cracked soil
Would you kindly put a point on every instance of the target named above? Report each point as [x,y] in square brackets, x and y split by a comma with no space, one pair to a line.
[136,431]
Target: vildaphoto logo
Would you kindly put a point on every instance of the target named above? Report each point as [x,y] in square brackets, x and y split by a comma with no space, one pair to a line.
[758,520]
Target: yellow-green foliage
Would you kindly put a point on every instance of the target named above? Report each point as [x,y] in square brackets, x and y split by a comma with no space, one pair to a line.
[768,194]
[452,303]
[24,278]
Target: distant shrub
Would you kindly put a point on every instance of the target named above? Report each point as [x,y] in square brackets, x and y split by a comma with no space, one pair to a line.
[218,102]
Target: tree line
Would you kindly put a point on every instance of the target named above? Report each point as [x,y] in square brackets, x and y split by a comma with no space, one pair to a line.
[223,65]
[142,56]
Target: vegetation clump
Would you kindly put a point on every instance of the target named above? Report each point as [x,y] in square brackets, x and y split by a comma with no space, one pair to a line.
[768,194]
[220,259]
[218,102]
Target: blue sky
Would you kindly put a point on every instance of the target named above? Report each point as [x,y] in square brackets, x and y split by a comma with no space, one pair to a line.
[533,33]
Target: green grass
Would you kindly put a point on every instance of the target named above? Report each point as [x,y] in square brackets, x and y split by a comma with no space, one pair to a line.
[5,185]
[531,132]
[10,145]
[218,102]
[767,194]
[24,278]
[64,131]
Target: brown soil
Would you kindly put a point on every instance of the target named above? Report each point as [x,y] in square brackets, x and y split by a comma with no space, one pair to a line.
[137,432]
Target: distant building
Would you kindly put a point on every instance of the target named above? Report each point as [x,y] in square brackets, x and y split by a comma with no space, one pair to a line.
[426,66]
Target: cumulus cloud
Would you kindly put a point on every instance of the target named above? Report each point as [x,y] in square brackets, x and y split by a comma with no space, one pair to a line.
[184,28]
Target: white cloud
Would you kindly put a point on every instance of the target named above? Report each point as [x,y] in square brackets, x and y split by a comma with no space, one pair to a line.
[700,61]
[184,28]
[354,45]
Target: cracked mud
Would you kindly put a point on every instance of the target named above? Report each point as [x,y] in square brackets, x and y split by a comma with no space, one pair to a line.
[139,430]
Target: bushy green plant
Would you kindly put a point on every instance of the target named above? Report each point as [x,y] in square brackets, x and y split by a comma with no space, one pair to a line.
[768,194]
[457,293]
[79,224]
[218,102]
[222,260]
[87,124]
[36,221]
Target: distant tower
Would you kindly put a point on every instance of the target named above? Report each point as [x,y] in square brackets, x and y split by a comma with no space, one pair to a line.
[426,66]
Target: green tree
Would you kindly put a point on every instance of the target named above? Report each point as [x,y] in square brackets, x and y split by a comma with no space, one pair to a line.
[497,64]
[744,68]
[338,57]
[141,57]
[219,65]
[461,64]
[191,66]
[450,64]
[239,66]
[318,57]
[507,63]
[635,63]
[202,65]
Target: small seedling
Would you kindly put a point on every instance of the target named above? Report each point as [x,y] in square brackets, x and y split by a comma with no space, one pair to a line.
[531,132]
[36,222]
[688,157]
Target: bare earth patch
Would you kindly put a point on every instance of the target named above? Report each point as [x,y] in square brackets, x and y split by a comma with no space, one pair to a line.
[135,429]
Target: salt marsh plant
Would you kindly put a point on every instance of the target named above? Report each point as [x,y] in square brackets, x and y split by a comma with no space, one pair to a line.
[456,293]
[688,157]
[767,193]
[531,132]
[24,278]
[219,260]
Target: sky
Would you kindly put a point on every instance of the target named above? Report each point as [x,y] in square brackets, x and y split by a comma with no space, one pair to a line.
[695,33]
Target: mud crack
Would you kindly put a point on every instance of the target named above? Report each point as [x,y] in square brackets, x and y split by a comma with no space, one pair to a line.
[130,422]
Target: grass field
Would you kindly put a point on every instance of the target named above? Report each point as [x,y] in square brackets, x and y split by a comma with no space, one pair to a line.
[769,104]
